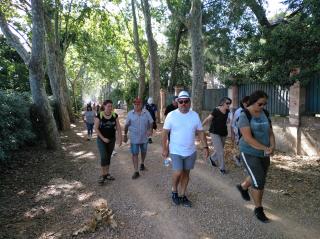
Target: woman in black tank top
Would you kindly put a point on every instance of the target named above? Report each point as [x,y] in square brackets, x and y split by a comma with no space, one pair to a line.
[106,125]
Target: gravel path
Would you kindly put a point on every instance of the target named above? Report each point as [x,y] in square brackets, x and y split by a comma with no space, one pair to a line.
[143,207]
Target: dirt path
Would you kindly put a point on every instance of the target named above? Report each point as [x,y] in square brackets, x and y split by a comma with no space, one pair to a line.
[51,195]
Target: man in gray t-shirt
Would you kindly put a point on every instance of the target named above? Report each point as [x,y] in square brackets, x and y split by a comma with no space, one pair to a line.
[139,124]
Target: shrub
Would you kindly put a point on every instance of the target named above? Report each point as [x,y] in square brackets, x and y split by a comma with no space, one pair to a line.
[15,125]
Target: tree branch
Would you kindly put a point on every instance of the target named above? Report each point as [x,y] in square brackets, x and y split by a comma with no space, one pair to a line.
[13,40]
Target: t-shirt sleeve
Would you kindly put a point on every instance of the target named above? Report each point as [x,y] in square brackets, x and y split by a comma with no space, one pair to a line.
[167,122]
[243,121]
[214,112]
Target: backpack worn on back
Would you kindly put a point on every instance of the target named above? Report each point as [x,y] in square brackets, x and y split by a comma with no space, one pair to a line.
[249,116]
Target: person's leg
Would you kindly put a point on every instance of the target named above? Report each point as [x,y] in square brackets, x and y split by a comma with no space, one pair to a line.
[177,167]
[88,131]
[143,148]
[222,163]
[103,161]
[109,149]
[135,159]
[91,130]
[218,147]
[184,181]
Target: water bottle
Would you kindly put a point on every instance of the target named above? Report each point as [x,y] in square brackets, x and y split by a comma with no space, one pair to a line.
[167,162]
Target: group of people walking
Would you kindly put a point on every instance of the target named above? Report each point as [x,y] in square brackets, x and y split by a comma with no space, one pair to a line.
[252,131]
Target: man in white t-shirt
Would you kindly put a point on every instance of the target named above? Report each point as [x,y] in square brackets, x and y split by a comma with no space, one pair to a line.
[183,125]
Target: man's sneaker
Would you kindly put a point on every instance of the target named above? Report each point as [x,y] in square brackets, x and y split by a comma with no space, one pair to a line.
[212,162]
[150,141]
[244,193]
[258,211]
[101,179]
[135,175]
[142,167]
[113,153]
[223,171]
[175,198]
[185,201]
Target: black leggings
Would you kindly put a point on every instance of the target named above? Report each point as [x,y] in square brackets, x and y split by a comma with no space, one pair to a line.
[105,150]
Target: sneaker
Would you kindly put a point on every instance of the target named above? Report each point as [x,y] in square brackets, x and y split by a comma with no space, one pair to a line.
[175,198]
[101,180]
[185,201]
[258,211]
[142,167]
[244,193]
[113,153]
[150,141]
[212,162]
[135,175]
[223,171]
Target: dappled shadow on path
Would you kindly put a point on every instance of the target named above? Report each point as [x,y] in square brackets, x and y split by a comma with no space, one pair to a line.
[51,194]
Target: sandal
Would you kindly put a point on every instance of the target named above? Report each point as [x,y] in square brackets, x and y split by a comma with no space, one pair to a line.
[108,177]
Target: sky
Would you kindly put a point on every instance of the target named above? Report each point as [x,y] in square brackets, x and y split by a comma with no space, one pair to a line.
[273,7]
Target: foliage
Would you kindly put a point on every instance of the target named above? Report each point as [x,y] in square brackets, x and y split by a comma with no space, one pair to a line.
[13,71]
[15,125]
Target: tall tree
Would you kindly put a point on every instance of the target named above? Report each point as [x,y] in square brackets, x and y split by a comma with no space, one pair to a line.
[154,84]
[35,62]
[142,67]
[195,29]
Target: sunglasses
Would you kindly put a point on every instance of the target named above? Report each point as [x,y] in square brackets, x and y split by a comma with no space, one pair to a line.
[262,104]
[228,103]
[183,101]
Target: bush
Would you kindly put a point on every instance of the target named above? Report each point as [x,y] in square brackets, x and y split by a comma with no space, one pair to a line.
[15,125]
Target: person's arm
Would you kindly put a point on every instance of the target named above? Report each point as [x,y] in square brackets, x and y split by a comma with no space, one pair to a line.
[247,136]
[96,128]
[203,139]
[165,145]
[119,131]
[208,119]
[272,141]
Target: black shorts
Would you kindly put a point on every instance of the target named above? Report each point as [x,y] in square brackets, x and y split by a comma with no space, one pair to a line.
[257,168]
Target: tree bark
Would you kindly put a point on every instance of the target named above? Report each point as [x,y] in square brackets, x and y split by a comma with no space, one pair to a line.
[195,23]
[36,75]
[55,77]
[259,12]
[173,77]
[154,84]
[13,40]
[142,65]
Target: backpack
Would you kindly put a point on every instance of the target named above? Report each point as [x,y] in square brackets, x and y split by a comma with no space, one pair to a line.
[249,116]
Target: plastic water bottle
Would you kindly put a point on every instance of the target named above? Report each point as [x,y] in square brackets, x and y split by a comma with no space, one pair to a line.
[167,162]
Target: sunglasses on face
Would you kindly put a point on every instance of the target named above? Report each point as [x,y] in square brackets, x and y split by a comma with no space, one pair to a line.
[228,103]
[261,104]
[183,101]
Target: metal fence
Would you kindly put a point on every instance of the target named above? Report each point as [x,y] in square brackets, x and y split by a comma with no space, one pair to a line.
[313,96]
[212,97]
[278,101]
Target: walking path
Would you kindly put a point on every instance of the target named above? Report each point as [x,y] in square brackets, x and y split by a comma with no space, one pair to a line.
[57,200]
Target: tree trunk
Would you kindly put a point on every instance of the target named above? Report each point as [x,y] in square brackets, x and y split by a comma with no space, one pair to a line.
[142,67]
[36,74]
[173,77]
[56,72]
[55,81]
[195,23]
[154,85]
